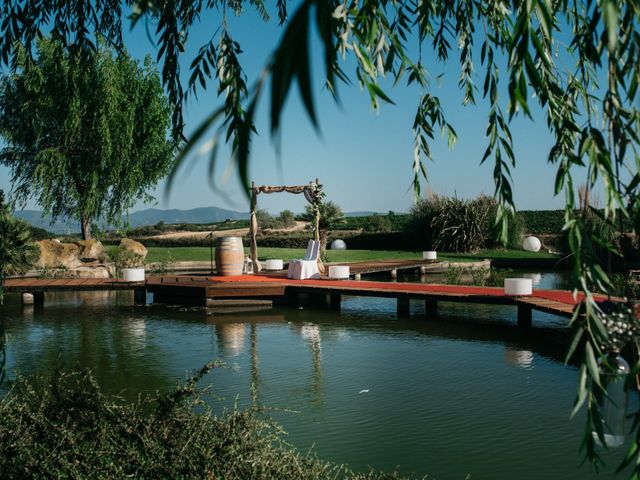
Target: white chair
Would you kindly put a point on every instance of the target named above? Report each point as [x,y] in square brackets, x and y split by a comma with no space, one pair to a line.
[299,269]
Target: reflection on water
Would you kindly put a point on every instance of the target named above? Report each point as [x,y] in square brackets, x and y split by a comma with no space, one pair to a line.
[518,358]
[230,337]
[441,396]
[536,278]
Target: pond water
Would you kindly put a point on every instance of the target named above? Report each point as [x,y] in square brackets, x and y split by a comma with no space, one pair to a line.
[466,393]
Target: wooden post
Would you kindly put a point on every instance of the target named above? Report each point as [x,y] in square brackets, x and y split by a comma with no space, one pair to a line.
[430,308]
[38,299]
[335,301]
[317,220]
[319,300]
[524,316]
[253,228]
[140,296]
[404,306]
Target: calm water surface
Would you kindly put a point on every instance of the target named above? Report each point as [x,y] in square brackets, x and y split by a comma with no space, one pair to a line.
[466,393]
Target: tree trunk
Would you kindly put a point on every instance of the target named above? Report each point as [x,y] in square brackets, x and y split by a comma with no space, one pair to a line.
[85,224]
[323,237]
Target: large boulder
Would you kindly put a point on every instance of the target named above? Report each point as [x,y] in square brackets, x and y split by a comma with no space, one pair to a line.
[54,254]
[82,259]
[135,248]
[92,250]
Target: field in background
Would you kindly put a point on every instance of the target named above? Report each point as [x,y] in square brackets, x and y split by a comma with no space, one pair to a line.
[191,254]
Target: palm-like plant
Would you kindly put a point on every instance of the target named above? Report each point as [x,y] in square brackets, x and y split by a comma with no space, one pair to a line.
[17,252]
[331,216]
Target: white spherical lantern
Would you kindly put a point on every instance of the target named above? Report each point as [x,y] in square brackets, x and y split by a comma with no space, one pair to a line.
[531,244]
[338,245]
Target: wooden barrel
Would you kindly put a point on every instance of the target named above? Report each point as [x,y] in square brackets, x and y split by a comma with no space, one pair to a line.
[229,256]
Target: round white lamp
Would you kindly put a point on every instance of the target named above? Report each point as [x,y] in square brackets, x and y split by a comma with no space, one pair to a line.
[339,272]
[338,245]
[135,274]
[273,264]
[518,286]
[531,244]
[430,255]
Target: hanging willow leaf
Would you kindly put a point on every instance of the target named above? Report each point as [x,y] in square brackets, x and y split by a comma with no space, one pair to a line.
[575,64]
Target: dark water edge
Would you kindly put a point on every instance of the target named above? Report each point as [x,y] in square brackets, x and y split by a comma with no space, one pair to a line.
[466,393]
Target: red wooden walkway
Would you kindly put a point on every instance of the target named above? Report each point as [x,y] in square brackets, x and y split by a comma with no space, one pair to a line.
[196,290]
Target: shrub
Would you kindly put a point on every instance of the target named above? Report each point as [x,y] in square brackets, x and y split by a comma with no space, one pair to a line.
[38,233]
[378,223]
[542,221]
[65,427]
[598,234]
[624,285]
[17,252]
[124,258]
[462,226]
[418,225]
[286,219]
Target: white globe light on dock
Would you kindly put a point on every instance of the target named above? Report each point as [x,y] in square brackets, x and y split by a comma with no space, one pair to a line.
[531,244]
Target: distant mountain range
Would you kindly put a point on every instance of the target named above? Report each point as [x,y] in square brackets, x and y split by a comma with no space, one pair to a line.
[150,216]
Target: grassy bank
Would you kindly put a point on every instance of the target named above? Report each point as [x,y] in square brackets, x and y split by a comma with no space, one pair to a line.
[191,254]
[65,427]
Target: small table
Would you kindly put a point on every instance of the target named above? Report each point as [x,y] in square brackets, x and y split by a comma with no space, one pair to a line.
[274,265]
[339,272]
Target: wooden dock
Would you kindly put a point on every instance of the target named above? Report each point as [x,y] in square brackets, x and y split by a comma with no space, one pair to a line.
[188,290]
[37,287]
[357,269]
[201,290]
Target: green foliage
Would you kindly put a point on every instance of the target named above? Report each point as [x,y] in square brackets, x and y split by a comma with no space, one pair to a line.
[455,225]
[481,277]
[600,234]
[285,219]
[396,221]
[38,233]
[331,215]
[17,251]
[124,258]
[462,225]
[65,427]
[419,224]
[378,223]
[574,62]
[542,221]
[625,285]
[85,135]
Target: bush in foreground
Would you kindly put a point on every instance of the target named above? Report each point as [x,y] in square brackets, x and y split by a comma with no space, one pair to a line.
[65,427]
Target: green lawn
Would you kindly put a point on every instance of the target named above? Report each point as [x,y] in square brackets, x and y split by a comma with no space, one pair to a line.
[184,254]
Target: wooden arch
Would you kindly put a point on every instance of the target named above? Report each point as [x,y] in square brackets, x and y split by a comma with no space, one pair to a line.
[312,193]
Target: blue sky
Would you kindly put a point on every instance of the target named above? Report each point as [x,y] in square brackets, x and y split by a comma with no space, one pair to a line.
[362,158]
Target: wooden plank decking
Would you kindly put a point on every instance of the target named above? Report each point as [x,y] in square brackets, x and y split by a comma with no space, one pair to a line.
[30,285]
[197,290]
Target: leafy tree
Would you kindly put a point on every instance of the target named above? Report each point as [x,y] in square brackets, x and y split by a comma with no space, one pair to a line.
[378,223]
[286,219]
[17,252]
[265,219]
[574,61]
[85,136]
